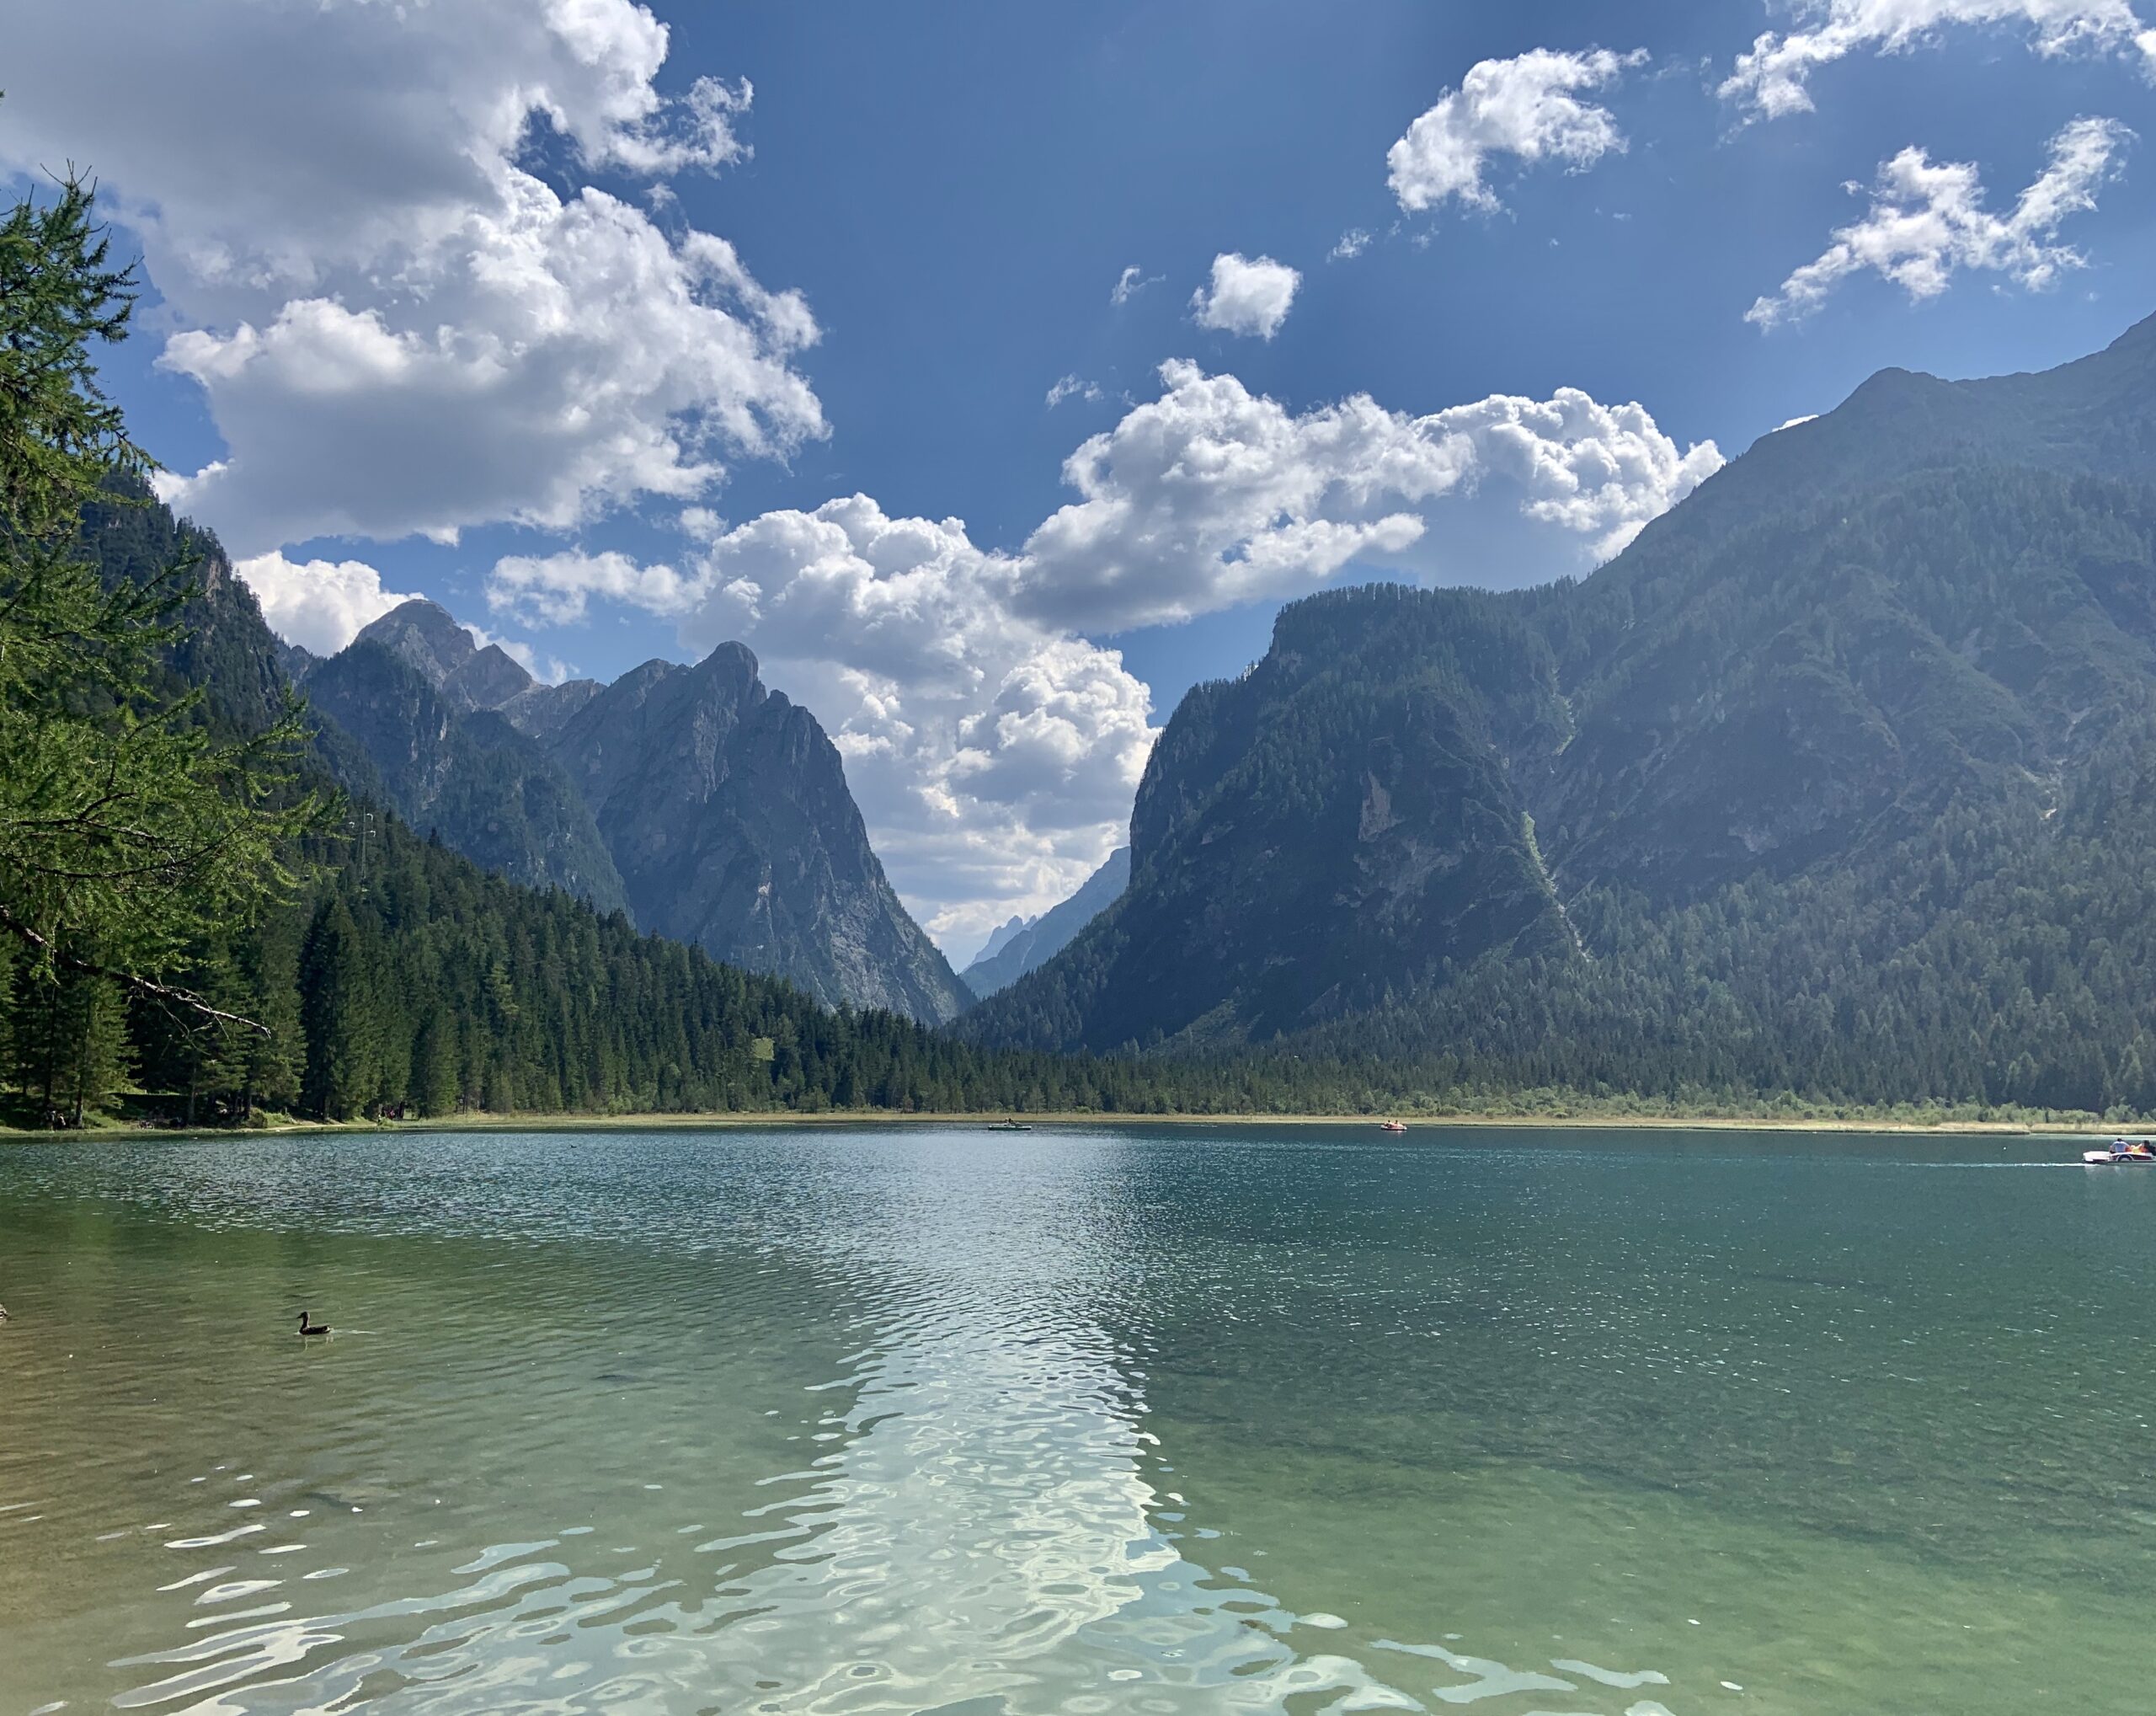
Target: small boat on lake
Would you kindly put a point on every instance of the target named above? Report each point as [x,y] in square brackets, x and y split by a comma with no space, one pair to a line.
[2121,1153]
[1009,1126]
[1394,1126]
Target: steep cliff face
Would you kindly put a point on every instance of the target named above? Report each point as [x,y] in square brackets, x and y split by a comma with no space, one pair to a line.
[726,809]
[541,711]
[1337,826]
[468,776]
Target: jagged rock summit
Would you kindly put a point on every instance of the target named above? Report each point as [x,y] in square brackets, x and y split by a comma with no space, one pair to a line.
[711,807]
[464,774]
[424,636]
[726,808]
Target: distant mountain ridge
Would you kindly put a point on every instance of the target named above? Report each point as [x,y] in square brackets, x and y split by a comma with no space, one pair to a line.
[1024,944]
[1810,787]
[466,774]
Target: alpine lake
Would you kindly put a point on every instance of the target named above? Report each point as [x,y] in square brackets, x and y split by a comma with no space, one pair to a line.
[1090,1419]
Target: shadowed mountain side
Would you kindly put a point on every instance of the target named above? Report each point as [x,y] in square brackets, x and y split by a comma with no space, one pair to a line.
[1826,707]
[1333,827]
[726,808]
[471,779]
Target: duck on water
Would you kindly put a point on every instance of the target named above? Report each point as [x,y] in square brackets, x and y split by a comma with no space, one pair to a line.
[308,1326]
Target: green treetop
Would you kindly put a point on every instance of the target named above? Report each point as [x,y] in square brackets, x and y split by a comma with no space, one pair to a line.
[128,828]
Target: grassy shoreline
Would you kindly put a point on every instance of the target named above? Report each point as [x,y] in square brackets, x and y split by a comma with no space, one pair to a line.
[1880,1125]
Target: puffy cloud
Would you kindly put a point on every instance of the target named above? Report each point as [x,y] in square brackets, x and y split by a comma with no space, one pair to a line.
[1774,78]
[398,327]
[1352,244]
[1212,495]
[1246,297]
[555,589]
[993,748]
[1927,219]
[320,605]
[995,757]
[1526,107]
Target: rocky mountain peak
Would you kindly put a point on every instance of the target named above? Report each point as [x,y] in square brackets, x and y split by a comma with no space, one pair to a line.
[425,634]
[488,679]
[726,807]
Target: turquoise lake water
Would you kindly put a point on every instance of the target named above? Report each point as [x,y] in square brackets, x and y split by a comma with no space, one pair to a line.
[1085,1420]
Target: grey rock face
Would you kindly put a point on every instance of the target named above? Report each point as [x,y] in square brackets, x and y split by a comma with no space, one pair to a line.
[541,711]
[422,634]
[487,791]
[727,811]
[488,679]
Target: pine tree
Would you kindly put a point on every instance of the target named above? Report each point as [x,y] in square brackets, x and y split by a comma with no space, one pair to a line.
[435,1084]
[94,1061]
[277,1054]
[127,832]
[337,1016]
[71,1044]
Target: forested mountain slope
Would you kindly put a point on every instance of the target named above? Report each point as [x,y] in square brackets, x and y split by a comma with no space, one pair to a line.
[1842,777]
[400,977]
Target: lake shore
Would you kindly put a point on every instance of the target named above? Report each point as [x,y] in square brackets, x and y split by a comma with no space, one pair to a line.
[1878,1125]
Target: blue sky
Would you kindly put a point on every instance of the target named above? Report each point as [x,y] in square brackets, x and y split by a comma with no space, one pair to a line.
[384,246]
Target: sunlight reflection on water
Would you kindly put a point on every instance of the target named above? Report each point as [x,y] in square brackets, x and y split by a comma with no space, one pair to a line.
[889,1423]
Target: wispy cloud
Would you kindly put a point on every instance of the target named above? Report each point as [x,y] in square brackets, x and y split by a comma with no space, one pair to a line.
[1928,221]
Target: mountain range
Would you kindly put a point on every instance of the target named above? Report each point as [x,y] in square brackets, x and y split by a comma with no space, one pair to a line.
[1842,775]
[1839,782]
[1025,943]
[708,807]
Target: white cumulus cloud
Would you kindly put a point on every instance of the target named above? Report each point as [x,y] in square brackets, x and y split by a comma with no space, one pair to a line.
[320,605]
[1528,108]
[1213,496]
[1928,220]
[1773,79]
[397,327]
[1246,295]
[994,756]
[556,589]
[993,747]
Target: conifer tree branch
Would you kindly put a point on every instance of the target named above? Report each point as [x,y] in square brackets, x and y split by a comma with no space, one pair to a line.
[151,989]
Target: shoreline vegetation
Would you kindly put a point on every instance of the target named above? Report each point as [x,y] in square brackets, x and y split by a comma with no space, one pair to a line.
[1913,1123]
